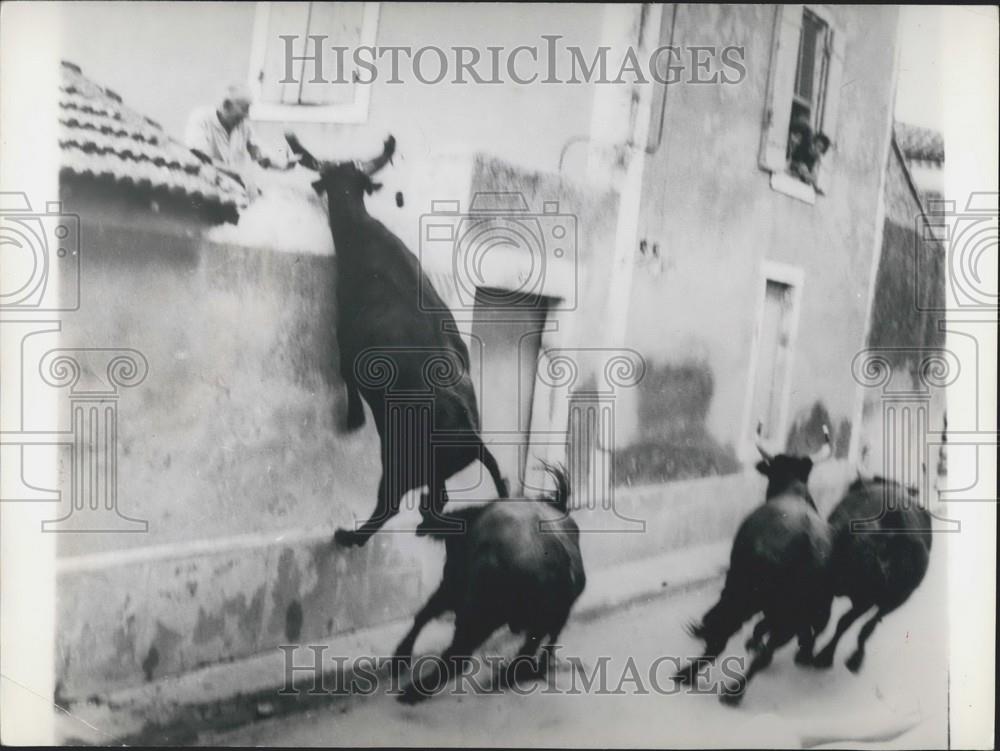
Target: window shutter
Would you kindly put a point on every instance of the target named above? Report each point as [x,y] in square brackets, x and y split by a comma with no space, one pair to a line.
[774,141]
[284,19]
[834,81]
[341,23]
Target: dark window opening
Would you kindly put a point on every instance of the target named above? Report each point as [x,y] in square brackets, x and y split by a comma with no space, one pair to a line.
[806,141]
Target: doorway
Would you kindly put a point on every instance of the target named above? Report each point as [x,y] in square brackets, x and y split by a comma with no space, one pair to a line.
[508,328]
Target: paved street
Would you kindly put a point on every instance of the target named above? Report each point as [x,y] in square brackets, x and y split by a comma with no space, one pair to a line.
[903,684]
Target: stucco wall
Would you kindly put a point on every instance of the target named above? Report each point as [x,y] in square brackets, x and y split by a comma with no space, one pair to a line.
[906,330]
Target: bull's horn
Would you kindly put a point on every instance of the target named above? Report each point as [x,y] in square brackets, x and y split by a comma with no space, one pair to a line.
[760,446]
[374,165]
[826,450]
[306,159]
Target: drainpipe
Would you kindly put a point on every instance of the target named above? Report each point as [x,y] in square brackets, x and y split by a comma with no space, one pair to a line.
[619,128]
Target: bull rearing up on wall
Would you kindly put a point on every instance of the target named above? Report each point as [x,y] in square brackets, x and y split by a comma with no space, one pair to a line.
[383,329]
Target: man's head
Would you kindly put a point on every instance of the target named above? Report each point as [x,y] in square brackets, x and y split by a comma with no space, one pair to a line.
[235,106]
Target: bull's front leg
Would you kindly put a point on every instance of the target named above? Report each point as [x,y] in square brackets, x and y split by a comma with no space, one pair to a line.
[438,604]
[355,408]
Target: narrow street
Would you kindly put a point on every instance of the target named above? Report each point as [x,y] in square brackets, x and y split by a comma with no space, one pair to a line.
[899,699]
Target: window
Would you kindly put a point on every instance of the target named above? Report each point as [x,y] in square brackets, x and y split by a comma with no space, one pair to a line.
[295,72]
[798,141]
[810,73]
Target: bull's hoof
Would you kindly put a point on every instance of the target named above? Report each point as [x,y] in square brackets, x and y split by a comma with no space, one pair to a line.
[355,420]
[804,657]
[412,695]
[521,671]
[823,660]
[854,662]
[348,538]
[731,696]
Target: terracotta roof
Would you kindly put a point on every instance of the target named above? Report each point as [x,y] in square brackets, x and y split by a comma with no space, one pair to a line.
[101,137]
[920,143]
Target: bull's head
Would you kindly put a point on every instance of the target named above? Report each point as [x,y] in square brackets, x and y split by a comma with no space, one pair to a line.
[343,179]
[783,470]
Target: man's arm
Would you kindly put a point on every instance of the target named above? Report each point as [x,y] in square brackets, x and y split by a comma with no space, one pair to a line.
[253,148]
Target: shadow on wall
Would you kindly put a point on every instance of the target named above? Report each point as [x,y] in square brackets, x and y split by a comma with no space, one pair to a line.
[911,277]
[806,434]
[674,442]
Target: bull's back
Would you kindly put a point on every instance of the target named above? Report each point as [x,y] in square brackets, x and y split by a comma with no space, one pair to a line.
[780,529]
[532,543]
[882,539]
[397,334]
[783,547]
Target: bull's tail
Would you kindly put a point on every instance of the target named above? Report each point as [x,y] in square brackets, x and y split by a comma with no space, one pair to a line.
[560,496]
[489,461]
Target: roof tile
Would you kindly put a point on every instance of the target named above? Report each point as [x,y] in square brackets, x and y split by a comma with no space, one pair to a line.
[100,137]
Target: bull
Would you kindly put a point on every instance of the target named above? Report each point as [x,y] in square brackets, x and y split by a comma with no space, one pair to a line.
[779,566]
[881,551]
[392,322]
[518,563]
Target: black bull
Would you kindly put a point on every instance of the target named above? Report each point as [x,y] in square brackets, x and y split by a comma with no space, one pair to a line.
[400,351]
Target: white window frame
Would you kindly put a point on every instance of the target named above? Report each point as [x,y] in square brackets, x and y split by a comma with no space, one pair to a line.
[780,89]
[794,277]
[354,113]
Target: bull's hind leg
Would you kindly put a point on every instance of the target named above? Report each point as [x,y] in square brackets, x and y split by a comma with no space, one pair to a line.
[854,661]
[548,657]
[807,640]
[524,666]
[825,658]
[756,641]
[432,505]
[716,627]
[386,507]
[733,693]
